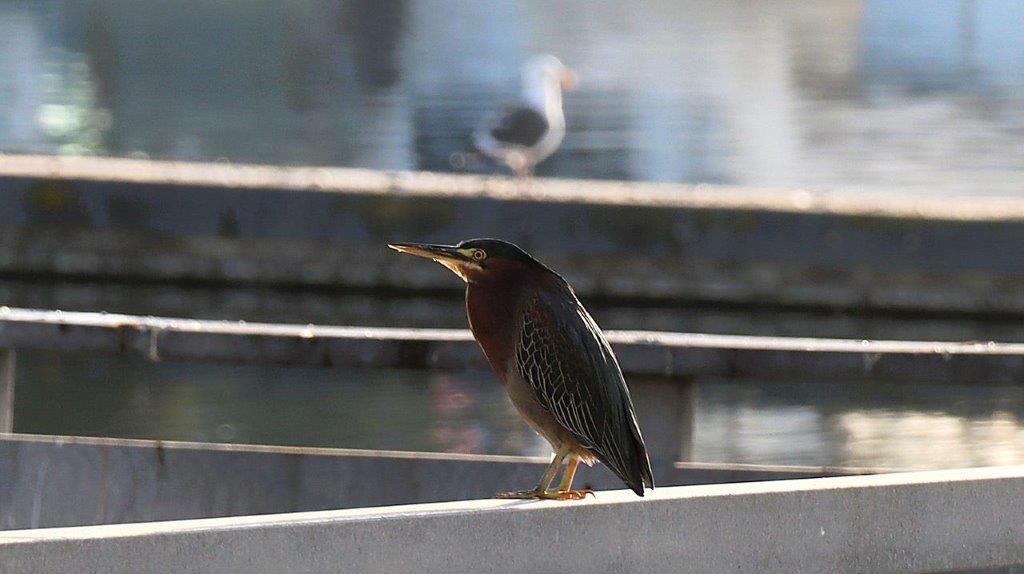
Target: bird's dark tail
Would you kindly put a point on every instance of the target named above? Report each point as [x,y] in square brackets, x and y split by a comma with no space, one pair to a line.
[640,474]
[634,468]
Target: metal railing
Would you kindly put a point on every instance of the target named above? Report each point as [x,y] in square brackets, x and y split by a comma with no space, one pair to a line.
[71,477]
[640,352]
[685,357]
[7,360]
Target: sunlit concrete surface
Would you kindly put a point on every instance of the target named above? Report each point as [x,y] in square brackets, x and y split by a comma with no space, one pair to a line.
[308,227]
[912,522]
[367,181]
[73,481]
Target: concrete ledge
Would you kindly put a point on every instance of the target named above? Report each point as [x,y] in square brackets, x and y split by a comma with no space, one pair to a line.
[912,522]
[316,228]
[428,184]
[69,481]
[648,353]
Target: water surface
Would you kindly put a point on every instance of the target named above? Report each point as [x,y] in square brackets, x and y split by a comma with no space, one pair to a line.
[880,96]
[858,423]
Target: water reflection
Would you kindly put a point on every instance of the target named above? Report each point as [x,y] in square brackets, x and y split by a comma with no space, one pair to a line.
[371,409]
[862,423]
[859,94]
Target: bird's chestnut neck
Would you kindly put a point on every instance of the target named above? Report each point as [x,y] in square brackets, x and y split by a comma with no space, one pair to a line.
[493,302]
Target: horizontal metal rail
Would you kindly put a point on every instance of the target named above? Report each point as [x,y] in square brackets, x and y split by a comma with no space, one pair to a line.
[640,352]
[908,522]
[54,481]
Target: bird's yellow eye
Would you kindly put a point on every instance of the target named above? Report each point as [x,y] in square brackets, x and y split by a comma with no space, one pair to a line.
[479,254]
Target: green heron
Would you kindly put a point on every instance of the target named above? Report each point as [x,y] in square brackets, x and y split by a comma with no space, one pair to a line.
[557,366]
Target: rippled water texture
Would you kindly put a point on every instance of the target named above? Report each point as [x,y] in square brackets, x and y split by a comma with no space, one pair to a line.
[862,95]
[860,423]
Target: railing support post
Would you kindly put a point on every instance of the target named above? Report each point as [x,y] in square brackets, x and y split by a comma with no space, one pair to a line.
[6,390]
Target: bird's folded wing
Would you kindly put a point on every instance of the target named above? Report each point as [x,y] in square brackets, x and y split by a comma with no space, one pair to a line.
[569,364]
[520,125]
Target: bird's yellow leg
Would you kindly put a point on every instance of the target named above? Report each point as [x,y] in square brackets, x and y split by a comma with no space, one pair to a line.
[565,491]
[570,474]
[545,481]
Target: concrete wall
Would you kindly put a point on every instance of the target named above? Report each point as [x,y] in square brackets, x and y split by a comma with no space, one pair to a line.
[64,481]
[326,228]
[912,522]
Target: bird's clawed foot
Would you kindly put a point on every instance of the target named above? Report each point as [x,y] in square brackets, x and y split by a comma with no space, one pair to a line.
[547,494]
[520,494]
[570,494]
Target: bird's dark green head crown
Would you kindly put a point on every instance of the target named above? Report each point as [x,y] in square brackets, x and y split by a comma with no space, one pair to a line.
[500,249]
[476,259]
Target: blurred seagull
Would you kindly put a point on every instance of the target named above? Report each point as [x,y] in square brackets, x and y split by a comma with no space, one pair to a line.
[526,133]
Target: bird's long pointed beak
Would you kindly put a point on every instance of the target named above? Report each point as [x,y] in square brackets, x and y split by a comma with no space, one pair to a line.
[447,255]
[569,79]
[428,250]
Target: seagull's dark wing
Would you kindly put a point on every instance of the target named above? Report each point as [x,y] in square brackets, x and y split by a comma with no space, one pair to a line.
[520,126]
[565,358]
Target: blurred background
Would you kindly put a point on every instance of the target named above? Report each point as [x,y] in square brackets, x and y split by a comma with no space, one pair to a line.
[888,96]
[875,98]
